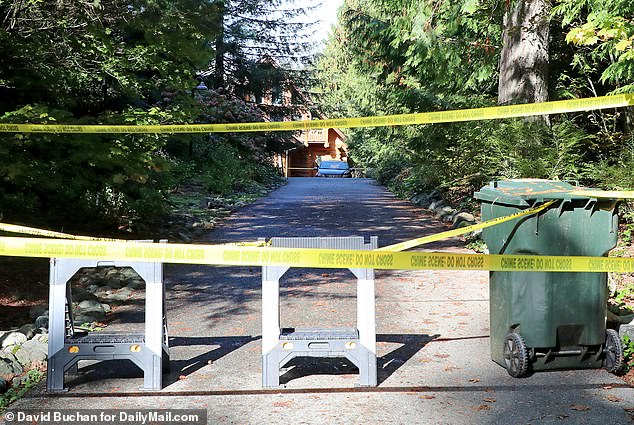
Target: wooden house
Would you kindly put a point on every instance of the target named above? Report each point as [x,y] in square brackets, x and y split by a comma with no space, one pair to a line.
[286,102]
[316,146]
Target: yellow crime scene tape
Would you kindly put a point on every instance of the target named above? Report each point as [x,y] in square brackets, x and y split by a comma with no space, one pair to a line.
[259,253]
[601,194]
[256,254]
[461,231]
[489,113]
[14,228]
[304,257]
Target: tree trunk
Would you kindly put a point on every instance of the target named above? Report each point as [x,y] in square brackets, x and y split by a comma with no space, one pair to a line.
[524,58]
[219,60]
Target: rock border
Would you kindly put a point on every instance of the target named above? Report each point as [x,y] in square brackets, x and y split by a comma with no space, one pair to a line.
[441,211]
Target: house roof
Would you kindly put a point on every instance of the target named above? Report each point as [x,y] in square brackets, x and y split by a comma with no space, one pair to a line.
[339,133]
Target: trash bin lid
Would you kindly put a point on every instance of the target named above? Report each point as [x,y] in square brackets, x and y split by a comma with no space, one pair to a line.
[519,191]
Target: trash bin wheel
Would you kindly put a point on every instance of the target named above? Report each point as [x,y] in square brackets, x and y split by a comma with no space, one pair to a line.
[515,355]
[612,351]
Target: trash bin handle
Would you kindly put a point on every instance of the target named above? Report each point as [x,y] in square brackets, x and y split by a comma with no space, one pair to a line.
[493,203]
[560,209]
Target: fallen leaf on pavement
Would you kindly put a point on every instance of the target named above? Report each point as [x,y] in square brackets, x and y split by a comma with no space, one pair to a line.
[482,407]
[474,380]
[427,397]
[579,407]
[613,398]
[282,403]
[489,400]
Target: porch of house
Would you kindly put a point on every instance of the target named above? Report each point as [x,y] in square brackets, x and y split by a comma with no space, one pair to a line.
[316,146]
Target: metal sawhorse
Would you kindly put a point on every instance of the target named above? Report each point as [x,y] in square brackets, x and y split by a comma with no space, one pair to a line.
[148,350]
[279,346]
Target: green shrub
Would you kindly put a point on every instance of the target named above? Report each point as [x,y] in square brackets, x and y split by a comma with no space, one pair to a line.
[17,392]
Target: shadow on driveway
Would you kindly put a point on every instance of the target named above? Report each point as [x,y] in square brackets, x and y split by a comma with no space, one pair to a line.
[388,364]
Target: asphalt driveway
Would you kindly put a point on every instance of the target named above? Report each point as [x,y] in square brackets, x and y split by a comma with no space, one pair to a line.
[433,326]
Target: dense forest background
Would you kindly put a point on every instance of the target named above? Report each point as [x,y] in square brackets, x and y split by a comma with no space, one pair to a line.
[139,62]
[403,56]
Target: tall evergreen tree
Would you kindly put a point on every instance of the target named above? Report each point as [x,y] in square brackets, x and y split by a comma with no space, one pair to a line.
[524,60]
[253,29]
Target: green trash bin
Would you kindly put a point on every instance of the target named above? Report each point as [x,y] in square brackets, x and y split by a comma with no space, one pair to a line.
[549,320]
